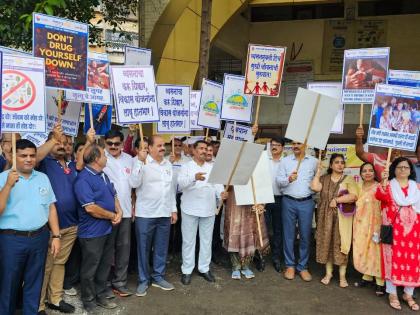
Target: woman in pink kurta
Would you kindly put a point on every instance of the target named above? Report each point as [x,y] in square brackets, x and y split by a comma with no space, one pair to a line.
[400,203]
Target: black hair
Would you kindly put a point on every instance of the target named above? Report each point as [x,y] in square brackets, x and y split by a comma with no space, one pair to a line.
[195,145]
[332,158]
[92,153]
[152,139]
[137,142]
[394,165]
[113,134]
[278,140]
[23,144]
[214,142]
[78,145]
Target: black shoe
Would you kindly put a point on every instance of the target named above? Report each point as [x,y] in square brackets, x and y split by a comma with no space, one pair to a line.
[363,283]
[62,307]
[89,306]
[277,266]
[186,279]
[208,276]
[42,313]
[122,291]
[108,294]
[380,290]
[259,261]
[105,303]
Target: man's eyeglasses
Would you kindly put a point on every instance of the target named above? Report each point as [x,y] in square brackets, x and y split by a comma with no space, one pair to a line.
[111,144]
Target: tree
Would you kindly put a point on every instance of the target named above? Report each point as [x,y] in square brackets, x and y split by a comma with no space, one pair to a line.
[16,17]
[203,64]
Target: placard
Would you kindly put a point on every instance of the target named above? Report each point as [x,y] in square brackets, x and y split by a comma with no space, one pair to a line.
[98,89]
[396,109]
[102,115]
[174,109]
[236,106]
[210,104]
[63,44]
[404,78]
[36,138]
[135,56]
[70,113]
[362,70]
[23,94]
[194,108]
[243,132]
[12,51]
[264,69]
[296,74]
[332,89]
[135,94]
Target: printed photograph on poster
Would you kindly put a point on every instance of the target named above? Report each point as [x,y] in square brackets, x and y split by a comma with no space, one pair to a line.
[332,89]
[404,78]
[395,120]
[236,106]
[70,113]
[264,69]
[243,132]
[210,105]
[102,115]
[98,89]
[174,109]
[23,94]
[63,44]
[134,94]
[362,70]
[135,56]
[194,108]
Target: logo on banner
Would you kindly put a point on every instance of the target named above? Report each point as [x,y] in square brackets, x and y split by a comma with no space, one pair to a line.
[211,109]
[18,90]
[237,101]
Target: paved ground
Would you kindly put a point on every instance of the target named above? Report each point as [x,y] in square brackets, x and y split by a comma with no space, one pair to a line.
[267,293]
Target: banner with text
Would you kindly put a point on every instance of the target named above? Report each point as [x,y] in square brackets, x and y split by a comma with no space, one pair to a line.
[210,105]
[236,106]
[194,108]
[174,109]
[243,132]
[404,78]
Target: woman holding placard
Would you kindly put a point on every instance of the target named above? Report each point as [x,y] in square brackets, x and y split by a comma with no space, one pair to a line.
[338,193]
[400,203]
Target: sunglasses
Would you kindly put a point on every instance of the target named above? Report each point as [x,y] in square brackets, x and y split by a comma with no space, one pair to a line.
[111,144]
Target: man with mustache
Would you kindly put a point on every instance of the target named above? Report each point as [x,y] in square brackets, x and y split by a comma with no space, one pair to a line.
[152,176]
[210,153]
[198,204]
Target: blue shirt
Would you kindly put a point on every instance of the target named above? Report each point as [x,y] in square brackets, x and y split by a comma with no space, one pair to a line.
[27,208]
[417,169]
[300,188]
[62,183]
[90,188]
[2,163]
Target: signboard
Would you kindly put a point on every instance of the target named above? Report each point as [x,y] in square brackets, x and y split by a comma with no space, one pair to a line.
[135,56]
[404,78]
[243,133]
[236,106]
[63,44]
[23,94]
[174,109]
[102,115]
[362,70]
[11,51]
[297,74]
[194,108]
[135,94]
[36,138]
[394,121]
[210,104]
[264,70]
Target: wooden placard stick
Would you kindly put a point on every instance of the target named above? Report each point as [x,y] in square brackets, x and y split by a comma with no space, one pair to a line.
[256,211]
[361,116]
[91,116]
[234,130]
[14,151]
[220,135]
[388,161]
[141,139]
[231,174]
[257,112]
[173,144]
[59,104]
[207,134]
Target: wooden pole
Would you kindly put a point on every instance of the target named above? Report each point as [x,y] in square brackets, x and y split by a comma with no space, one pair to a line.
[256,211]
[173,144]
[14,151]
[141,137]
[207,134]
[59,104]
[91,116]
[388,161]
[257,112]
[220,135]
[234,130]
[361,116]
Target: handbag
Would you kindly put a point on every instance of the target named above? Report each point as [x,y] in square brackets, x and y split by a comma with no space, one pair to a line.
[386,233]
[347,209]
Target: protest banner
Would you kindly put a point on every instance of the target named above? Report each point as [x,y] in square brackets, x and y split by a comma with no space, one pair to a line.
[404,78]
[264,69]
[332,89]
[242,132]
[210,104]
[63,44]
[12,51]
[23,94]
[98,87]
[362,70]
[135,56]
[394,121]
[69,116]
[174,109]
[101,118]
[296,74]
[36,138]
[236,106]
[194,108]
[135,94]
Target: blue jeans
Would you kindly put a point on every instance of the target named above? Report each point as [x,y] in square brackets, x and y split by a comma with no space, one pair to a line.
[301,212]
[156,230]
[22,259]
[273,214]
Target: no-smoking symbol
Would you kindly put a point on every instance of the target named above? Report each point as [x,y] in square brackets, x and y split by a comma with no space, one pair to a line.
[18,90]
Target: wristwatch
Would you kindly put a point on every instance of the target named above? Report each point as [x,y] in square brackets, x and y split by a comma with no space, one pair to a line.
[56,236]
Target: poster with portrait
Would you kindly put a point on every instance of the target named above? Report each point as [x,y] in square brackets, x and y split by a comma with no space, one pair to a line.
[394,121]
[210,105]
[236,106]
[362,70]
[404,78]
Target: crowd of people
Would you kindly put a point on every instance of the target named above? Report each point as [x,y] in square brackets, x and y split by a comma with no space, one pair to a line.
[67,215]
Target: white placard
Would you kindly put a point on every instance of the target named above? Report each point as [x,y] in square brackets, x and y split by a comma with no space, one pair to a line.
[404,78]
[36,138]
[135,56]
[210,105]
[262,184]
[174,109]
[301,116]
[194,108]
[236,105]
[332,89]
[243,132]
[135,94]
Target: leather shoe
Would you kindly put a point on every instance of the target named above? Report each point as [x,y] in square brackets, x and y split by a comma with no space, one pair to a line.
[208,276]
[289,274]
[305,275]
[186,279]
[277,266]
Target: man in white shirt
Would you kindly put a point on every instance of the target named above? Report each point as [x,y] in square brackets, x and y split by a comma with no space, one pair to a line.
[118,169]
[152,176]
[198,204]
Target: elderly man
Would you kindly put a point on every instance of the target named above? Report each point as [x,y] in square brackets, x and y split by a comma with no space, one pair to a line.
[198,204]
[26,206]
[99,210]
[152,176]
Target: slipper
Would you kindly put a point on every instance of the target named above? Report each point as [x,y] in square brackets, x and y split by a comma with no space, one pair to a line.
[394,302]
[326,280]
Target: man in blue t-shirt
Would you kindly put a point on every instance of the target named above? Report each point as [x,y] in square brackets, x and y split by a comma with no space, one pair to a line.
[99,210]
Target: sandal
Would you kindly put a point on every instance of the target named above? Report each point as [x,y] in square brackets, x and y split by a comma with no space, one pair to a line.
[343,283]
[326,280]
[394,302]
[410,302]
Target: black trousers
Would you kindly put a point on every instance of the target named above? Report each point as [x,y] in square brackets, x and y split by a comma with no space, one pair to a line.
[72,275]
[274,223]
[122,253]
